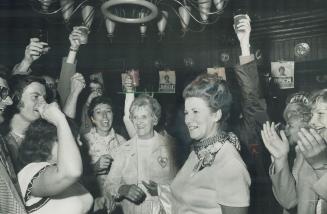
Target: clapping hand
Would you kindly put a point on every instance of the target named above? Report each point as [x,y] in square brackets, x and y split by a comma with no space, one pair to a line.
[277,146]
[313,148]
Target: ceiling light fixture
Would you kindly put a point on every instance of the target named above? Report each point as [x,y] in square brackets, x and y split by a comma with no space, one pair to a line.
[138,12]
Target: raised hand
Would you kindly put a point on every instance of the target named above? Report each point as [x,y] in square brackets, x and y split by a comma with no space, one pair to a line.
[313,148]
[103,163]
[243,30]
[277,146]
[128,83]
[152,187]
[74,38]
[132,193]
[92,95]
[35,49]
[77,83]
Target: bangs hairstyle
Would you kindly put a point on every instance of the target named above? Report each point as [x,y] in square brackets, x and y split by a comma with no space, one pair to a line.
[146,100]
[214,90]
[317,97]
[96,101]
[38,142]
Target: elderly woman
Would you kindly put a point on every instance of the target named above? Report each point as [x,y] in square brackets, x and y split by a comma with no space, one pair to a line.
[102,140]
[142,161]
[300,186]
[52,166]
[214,179]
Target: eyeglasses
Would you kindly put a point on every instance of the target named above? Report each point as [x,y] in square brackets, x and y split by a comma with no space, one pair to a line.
[4,92]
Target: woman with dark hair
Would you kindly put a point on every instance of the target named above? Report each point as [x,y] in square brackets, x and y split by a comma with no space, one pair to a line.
[52,166]
[101,140]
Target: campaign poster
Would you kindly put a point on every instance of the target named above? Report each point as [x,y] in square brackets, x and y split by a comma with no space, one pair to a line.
[167,81]
[283,74]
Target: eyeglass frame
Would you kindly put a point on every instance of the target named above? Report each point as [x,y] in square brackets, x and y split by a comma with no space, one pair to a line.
[4,92]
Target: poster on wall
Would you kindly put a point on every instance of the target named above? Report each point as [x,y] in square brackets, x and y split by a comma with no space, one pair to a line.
[283,74]
[220,71]
[167,81]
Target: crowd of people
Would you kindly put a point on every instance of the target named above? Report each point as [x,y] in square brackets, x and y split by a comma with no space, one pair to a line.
[52,161]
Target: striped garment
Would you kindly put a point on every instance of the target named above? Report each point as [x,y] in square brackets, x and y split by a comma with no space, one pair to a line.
[10,200]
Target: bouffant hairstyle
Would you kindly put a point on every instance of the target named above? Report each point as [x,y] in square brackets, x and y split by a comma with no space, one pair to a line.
[146,100]
[38,142]
[96,101]
[214,90]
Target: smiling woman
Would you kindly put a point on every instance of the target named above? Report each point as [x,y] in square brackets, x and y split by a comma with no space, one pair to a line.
[142,162]
[102,141]
[214,170]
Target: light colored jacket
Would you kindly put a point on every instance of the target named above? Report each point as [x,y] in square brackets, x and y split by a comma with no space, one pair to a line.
[126,169]
[300,189]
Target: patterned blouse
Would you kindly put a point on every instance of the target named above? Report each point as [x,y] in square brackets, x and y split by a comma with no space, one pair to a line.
[99,145]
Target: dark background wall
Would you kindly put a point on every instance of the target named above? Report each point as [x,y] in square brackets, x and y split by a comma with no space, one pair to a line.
[277,27]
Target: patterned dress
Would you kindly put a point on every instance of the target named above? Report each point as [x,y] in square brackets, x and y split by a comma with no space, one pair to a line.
[99,145]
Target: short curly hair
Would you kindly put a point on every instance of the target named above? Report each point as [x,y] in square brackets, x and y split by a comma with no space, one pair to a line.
[96,101]
[38,142]
[146,100]
[214,90]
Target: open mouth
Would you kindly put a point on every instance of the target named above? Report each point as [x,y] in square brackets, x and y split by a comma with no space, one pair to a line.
[191,128]
[140,127]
